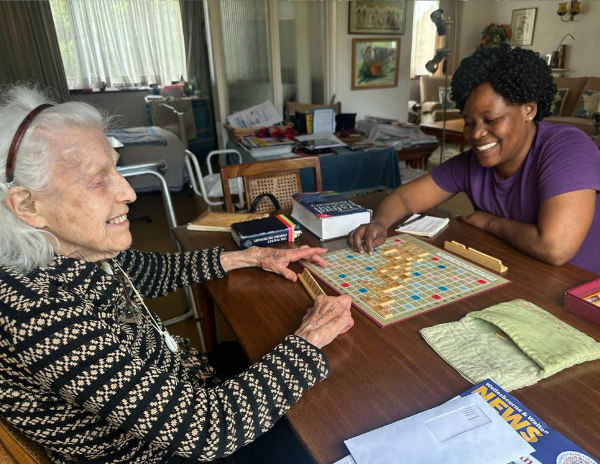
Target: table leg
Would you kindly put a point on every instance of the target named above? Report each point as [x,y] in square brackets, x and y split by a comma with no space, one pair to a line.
[207,315]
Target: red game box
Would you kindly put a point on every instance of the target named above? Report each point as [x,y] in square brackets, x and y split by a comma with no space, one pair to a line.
[584,300]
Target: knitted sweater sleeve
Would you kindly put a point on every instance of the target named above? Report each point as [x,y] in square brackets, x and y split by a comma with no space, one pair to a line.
[156,274]
[74,355]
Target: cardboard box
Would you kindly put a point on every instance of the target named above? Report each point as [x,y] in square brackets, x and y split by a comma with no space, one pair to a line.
[584,301]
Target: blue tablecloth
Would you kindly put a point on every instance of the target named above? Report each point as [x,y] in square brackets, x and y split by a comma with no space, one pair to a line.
[349,172]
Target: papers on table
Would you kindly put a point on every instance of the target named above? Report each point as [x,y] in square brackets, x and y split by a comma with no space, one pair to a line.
[462,431]
[261,115]
[347,460]
[323,120]
[423,225]
[320,140]
[114,142]
[399,136]
[260,147]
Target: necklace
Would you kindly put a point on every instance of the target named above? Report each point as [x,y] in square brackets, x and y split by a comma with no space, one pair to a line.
[167,337]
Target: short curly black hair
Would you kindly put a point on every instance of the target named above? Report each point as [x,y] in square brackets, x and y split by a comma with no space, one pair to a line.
[517,74]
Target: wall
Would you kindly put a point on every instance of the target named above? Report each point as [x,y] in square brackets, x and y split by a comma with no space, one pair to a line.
[389,103]
[128,105]
[581,56]
[581,59]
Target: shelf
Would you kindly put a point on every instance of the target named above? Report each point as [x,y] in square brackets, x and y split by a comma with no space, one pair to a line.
[559,72]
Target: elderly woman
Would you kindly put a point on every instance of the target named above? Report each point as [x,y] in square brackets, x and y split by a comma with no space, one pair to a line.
[86,369]
[531,183]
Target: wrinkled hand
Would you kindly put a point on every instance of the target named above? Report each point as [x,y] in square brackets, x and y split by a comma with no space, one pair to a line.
[277,259]
[478,219]
[329,317]
[367,236]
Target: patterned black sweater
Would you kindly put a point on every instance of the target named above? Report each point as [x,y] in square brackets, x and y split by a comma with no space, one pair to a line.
[91,388]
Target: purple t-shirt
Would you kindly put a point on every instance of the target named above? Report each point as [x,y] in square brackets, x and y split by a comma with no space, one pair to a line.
[561,159]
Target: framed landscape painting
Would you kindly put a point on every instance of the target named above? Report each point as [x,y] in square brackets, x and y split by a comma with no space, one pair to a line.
[375,63]
[376,17]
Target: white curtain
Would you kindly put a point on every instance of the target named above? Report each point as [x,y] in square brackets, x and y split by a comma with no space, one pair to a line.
[123,43]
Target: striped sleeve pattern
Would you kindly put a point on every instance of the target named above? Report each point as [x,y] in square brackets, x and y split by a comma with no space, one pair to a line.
[89,388]
[156,274]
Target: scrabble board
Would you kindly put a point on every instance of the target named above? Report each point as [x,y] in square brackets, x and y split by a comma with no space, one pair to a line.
[402,278]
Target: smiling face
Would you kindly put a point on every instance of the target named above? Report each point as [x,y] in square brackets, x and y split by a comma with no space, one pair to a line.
[85,206]
[500,132]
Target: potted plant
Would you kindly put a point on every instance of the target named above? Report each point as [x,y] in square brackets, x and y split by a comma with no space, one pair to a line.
[495,34]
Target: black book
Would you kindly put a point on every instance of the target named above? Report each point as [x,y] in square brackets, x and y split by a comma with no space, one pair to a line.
[265,232]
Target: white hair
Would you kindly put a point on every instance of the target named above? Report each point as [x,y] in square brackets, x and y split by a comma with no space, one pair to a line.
[22,246]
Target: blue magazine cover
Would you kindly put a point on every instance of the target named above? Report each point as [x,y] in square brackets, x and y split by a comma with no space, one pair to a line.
[550,446]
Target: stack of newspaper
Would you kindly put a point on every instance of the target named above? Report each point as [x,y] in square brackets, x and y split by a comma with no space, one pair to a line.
[261,115]
[266,146]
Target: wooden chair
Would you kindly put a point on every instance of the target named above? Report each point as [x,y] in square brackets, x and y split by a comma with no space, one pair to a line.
[17,448]
[280,177]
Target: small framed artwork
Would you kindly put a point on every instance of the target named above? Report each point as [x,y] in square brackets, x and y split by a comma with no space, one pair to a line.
[522,26]
[375,63]
[376,17]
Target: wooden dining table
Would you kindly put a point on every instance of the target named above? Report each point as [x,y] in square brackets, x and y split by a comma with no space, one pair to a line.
[380,375]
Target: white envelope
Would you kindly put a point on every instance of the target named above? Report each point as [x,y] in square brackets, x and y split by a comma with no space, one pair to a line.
[463,431]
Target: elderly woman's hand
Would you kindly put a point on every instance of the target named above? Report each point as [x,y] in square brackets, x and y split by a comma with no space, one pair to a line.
[272,259]
[277,259]
[329,317]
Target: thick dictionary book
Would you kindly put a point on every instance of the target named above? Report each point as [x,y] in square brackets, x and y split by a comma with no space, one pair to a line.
[265,232]
[550,446]
[328,214]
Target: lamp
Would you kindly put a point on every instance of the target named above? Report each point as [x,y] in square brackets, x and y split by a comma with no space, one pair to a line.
[438,19]
[432,66]
[569,13]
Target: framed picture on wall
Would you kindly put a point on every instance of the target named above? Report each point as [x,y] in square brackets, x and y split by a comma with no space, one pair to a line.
[376,17]
[375,63]
[522,26]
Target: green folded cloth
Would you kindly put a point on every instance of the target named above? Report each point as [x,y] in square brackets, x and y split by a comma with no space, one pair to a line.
[515,344]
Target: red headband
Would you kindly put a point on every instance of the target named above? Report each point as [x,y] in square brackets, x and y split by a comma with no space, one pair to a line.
[14,146]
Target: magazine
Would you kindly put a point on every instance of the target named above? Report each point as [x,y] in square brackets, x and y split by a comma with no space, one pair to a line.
[550,446]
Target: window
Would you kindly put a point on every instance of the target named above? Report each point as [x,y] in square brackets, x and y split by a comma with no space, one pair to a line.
[423,38]
[259,64]
[122,43]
